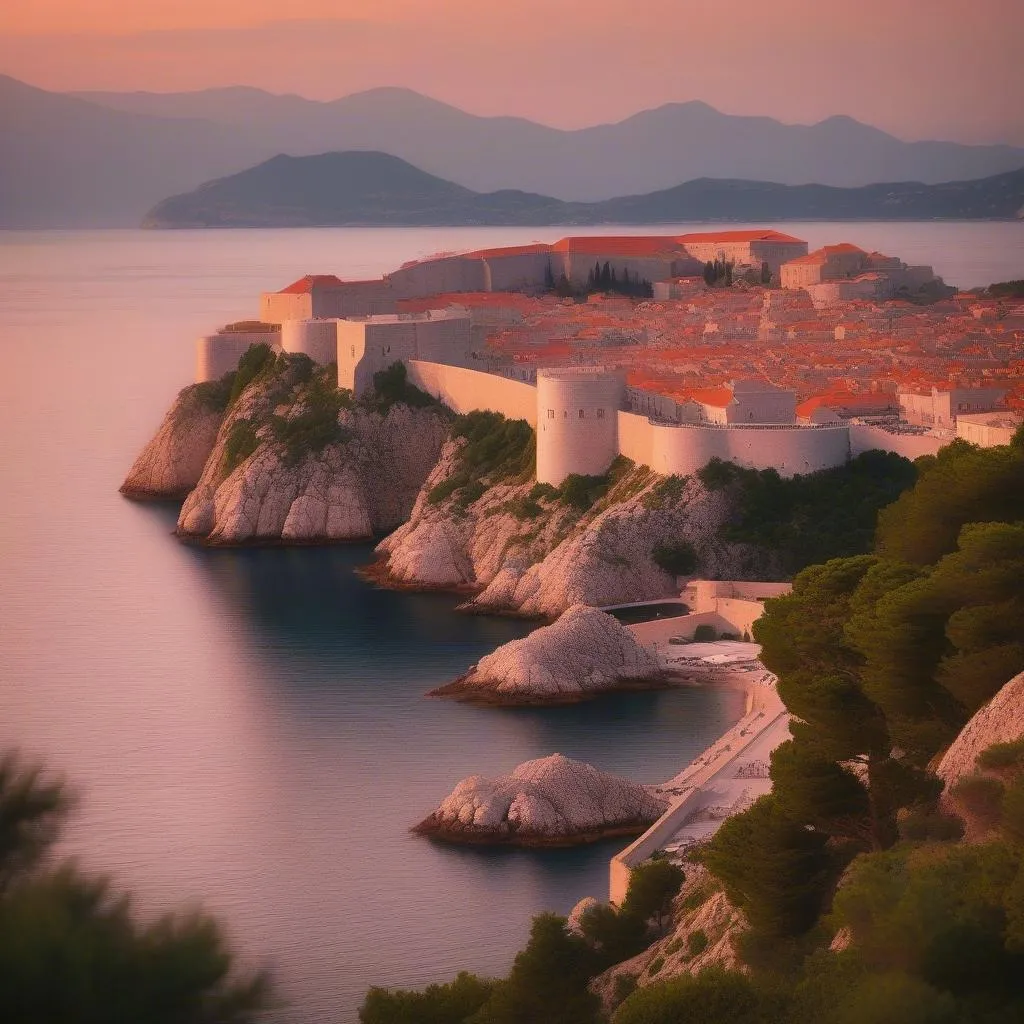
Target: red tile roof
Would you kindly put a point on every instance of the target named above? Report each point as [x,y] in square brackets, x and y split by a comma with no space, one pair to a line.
[760,235]
[306,284]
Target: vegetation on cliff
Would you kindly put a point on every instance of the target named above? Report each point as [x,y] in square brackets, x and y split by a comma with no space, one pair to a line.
[71,949]
[808,519]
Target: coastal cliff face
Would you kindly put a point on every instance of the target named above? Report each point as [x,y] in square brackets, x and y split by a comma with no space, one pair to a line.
[1001,720]
[296,461]
[172,462]
[582,654]
[705,927]
[551,801]
[538,556]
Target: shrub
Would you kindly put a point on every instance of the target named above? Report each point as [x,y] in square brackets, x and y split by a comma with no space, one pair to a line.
[315,427]
[1012,811]
[716,474]
[625,986]
[653,886]
[926,825]
[543,492]
[581,492]
[656,965]
[1005,758]
[524,508]
[436,1004]
[392,387]
[704,634]
[257,361]
[673,947]
[241,442]
[667,491]
[697,942]
[981,799]
[214,394]
[679,558]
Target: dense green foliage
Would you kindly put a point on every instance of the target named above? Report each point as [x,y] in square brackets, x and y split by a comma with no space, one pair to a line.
[437,1004]
[1004,290]
[315,425]
[392,387]
[496,449]
[676,557]
[711,997]
[667,491]
[71,951]
[241,442]
[256,362]
[811,518]
[962,484]
[600,279]
[214,395]
[718,273]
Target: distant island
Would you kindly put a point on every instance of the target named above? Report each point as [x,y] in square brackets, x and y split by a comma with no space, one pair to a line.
[377,189]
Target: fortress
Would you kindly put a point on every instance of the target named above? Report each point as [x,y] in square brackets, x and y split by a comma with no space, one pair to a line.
[584,416]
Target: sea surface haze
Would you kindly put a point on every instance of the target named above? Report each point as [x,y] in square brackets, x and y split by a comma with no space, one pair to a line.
[246,728]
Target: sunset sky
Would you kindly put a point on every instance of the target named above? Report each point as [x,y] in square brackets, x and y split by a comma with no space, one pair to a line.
[937,69]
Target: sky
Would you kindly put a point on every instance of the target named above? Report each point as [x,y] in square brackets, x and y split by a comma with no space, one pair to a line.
[939,69]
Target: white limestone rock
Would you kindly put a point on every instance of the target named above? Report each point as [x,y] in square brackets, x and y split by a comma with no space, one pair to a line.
[1001,720]
[551,801]
[573,921]
[172,462]
[584,653]
[714,918]
[345,491]
[540,566]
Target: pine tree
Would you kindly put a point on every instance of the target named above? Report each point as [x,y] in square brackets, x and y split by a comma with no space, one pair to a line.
[766,274]
[606,276]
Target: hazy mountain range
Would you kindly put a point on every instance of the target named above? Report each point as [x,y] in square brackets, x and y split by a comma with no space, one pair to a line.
[365,188]
[106,158]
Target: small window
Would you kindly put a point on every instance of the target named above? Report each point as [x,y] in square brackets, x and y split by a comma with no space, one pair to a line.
[551,414]
[582,414]
[600,414]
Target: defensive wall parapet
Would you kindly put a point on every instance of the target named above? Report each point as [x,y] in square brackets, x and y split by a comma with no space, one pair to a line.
[217,354]
[867,437]
[464,390]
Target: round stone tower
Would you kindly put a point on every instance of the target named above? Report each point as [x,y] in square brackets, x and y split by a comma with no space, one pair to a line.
[317,339]
[577,421]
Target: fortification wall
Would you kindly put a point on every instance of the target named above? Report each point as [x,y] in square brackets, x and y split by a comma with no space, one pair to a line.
[635,437]
[865,437]
[791,451]
[317,339]
[577,422]
[464,390]
[216,354]
[515,272]
[451,274]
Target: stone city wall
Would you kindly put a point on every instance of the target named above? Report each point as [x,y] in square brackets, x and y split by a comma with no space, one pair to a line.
[464,390]
[865,437]
[217,354]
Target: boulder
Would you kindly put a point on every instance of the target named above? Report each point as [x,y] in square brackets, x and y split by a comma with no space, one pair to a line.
[584,653]
[552,801]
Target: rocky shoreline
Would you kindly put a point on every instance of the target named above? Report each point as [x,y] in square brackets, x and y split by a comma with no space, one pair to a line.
[548,802]
[585,652]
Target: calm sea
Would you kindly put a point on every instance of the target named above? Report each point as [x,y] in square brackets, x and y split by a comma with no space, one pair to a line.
[246,729]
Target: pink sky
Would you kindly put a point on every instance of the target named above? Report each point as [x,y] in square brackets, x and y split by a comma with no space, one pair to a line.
[936,69]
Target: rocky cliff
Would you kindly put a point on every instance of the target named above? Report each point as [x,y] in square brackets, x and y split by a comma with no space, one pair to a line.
[552,801]
[704,930]
[526,549]
[584,653]
[172,463]
[275,453]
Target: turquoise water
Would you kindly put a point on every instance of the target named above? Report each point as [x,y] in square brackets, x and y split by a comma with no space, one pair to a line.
[247,728]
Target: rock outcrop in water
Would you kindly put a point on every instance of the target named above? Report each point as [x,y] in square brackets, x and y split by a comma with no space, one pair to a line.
[552,801]
[538,555]
[584,653]
[172,462]
[295,461]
